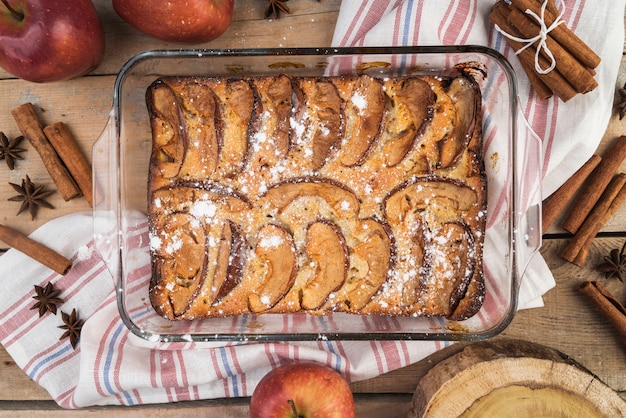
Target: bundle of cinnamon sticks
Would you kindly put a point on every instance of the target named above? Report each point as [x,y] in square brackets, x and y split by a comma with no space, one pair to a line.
[575,61]
[598,190]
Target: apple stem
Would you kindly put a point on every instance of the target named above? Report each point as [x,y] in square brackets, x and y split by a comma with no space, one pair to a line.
[17,14]
[293,408]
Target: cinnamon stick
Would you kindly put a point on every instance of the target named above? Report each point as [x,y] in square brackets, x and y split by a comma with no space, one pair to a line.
[35,250]
[612,209]
[601,212]
[607,304]
[553,80]
[32,128]
[71,155]
[595,185]
[578,76]
[555,203]
[562,34]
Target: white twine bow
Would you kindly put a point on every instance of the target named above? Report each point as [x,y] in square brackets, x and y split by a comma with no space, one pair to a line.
[541,37]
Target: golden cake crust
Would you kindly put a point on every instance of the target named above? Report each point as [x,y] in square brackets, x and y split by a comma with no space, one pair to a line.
[281,194]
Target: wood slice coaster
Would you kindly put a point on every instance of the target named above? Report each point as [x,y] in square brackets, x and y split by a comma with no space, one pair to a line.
[515,378]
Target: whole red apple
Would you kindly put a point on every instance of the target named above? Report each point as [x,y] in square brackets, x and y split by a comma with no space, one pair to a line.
[302,390]
[182,21]
[50,40]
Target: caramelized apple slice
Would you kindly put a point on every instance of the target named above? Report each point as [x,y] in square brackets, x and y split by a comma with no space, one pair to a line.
[276,253]
[204,133]
[237,110]
[363,114]
[376,249]
[182,254]
[229,262]
[326,246]
[466,99]
[440,196]
[276,107]
[168,126]
[322,119]
[412,100]
[417,263]
[343,201]
[453,263]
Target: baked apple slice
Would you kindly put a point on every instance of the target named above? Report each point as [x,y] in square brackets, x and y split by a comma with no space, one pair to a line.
[321,119]
[443,197]
[453,262]
[326,246]
[343,201]
[204,133]
[237,110]
[275,99]
[465,96]
[229,262]
[364,115]
[411,109]
[376,248]
[418,261]
[168,127]
[276,255]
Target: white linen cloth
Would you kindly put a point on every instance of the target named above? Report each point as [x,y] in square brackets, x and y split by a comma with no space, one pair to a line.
[113,366]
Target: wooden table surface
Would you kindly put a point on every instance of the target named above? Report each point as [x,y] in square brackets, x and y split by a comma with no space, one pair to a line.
[567,322]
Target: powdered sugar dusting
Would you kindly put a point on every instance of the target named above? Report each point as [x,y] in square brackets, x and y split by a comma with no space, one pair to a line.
[271,242]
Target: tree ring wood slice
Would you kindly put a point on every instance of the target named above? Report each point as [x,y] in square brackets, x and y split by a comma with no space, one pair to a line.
[513,378]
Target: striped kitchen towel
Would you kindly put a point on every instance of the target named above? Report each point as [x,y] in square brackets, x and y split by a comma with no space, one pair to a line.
[111,365]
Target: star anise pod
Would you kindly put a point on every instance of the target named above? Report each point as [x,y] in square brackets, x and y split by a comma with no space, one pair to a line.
[614,264]
[621,105]
[274,8]
[31,196]
[9,150]
[47,299]
[72,325]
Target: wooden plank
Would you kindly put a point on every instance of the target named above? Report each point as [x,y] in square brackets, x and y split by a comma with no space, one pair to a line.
[235,407]
[15,385]
[367,406]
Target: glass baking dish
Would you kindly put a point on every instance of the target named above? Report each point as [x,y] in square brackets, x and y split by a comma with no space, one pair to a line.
[512,161]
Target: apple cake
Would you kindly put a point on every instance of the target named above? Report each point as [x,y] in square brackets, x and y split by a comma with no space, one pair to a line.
[302,194]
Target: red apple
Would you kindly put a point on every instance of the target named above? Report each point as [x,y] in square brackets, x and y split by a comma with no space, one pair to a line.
[50,40]
[182,21]
[302,390]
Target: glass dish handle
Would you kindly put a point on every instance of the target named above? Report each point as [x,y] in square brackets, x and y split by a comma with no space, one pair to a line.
[106,198]
[528,219]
